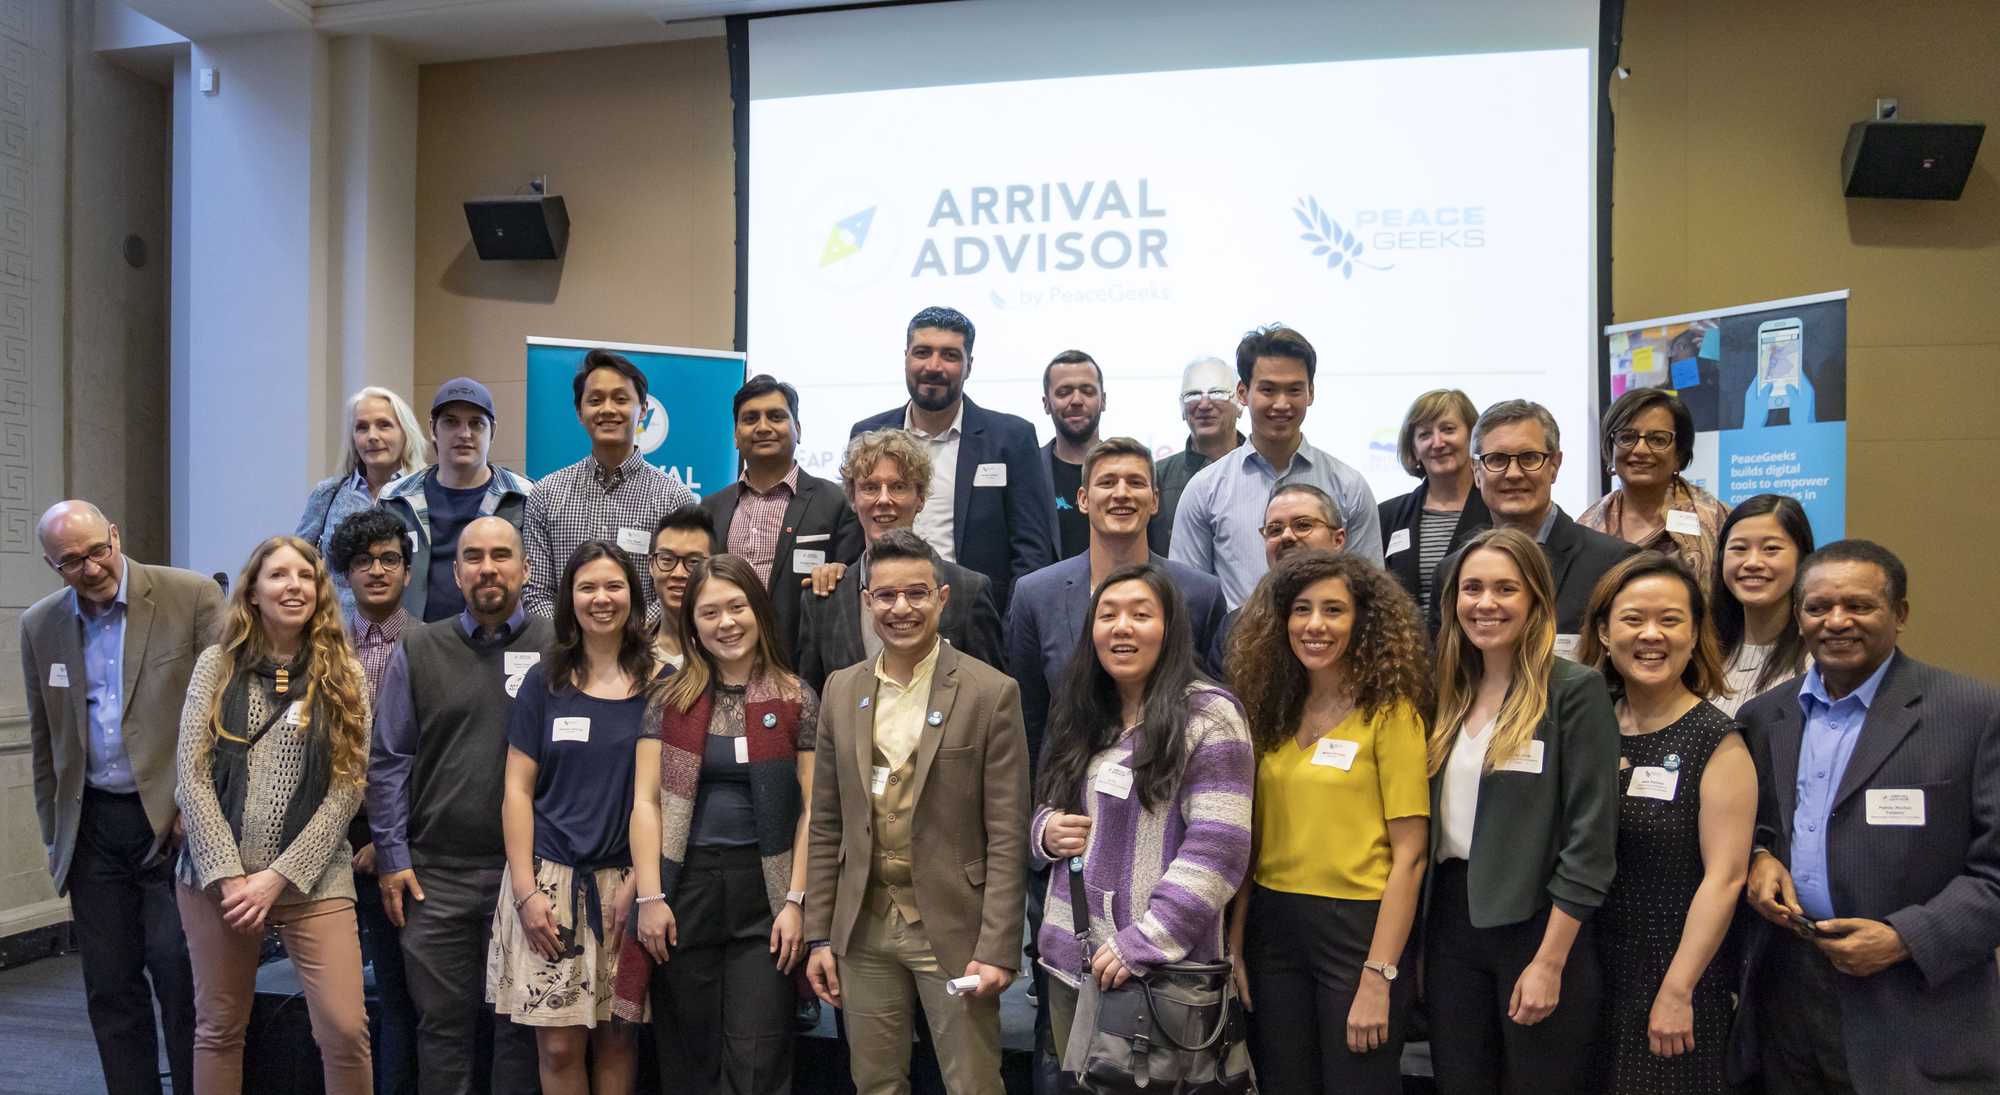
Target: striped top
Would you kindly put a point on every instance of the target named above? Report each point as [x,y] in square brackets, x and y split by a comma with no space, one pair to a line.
[1158,880]
[1433,544]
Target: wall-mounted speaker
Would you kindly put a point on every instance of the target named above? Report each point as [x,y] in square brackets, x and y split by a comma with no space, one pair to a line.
[524,226]
[1928,160]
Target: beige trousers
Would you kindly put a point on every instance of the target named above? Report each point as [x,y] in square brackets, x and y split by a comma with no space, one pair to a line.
[888,965]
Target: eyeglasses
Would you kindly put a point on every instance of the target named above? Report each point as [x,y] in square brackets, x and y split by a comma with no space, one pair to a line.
[666,562]
[1301,527]
[898,489]
[1213,395]
[99,554]
[885,599]
[390,560]
[1656,440]
[1496,462]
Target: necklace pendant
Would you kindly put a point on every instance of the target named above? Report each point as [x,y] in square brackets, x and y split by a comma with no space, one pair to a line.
[284,680]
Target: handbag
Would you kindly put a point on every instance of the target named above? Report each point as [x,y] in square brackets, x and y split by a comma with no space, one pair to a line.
[1179,1029]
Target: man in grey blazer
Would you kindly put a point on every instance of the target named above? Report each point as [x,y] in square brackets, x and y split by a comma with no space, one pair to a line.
[106,662]
[1877,857]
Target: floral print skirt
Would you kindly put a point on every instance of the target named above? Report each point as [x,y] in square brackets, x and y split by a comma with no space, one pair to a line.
[572,991]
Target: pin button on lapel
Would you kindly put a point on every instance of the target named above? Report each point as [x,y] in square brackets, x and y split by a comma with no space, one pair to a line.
[864,701]
[937,718]
[770,720]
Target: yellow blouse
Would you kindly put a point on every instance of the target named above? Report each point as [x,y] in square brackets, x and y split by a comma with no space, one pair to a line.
[1323,811]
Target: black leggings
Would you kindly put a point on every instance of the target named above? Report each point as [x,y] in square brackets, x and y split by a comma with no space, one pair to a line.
[1469,976]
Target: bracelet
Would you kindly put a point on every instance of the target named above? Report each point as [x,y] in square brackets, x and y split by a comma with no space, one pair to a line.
[650,898]
[523,899]
[796,897]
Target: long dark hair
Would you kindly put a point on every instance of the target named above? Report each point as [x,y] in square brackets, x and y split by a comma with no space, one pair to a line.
[565,655]
[698,670]
[1087,717]
[1789,651]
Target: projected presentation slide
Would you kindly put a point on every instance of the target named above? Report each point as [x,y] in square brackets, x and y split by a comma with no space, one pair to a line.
[1424,221]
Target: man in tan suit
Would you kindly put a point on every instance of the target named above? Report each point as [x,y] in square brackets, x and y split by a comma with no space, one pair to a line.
[106,663]
[919,838]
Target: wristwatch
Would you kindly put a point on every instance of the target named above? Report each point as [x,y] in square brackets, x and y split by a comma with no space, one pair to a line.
[796,897]
[1387,971]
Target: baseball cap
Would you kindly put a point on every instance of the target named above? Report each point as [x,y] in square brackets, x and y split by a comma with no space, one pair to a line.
[463,389]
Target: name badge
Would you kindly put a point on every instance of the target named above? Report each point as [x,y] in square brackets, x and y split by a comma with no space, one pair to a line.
[813,538]
[575,728]
[1683,521]
[517,662]
[1895,806]
[1115,780]
[1334,753]
[1566,646]
[990,475]
[878,780]
[634,540]
[803,560]
[1528,760]
[296,713]
[59,676]
[1652,781]
[513,685]
[742,750]
[1399,540]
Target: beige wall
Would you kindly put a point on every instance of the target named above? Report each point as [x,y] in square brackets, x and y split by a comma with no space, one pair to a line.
[637,141]
[1728,191]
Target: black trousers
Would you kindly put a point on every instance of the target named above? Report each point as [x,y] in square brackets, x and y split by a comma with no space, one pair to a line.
[128,929]
[444,940]
[1303,955]
[722,1012]
[1469,976]
[1800,1049]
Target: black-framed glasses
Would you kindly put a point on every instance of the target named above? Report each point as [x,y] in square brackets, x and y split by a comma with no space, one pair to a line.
[1656,440]
[1301,527]
[1497,462]
[666,562]
[389,560]
[885,599]
[1213,395]
[96,553]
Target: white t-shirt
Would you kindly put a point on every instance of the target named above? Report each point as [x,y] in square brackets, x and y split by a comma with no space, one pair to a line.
[1739,676]
[1458,806]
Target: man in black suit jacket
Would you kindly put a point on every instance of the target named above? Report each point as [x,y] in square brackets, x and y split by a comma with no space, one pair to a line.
[781,519]
[1877,858]
[994,509]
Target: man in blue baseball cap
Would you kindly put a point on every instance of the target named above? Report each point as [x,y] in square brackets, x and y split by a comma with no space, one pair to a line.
[435,503]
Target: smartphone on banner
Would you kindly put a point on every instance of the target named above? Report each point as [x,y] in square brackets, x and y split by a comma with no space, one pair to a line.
[1780,347]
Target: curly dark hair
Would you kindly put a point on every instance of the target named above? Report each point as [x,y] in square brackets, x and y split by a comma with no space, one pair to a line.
[361,531]
[1387,658]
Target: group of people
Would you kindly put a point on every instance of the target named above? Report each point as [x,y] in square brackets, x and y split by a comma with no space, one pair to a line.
[1645,800]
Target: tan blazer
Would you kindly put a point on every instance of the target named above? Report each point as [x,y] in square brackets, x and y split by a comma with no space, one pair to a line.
[969,840]
[170,616]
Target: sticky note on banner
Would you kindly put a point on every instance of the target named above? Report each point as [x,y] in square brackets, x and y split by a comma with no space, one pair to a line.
[1619,382]
[1620,342]
[1642,360]
[1687,373]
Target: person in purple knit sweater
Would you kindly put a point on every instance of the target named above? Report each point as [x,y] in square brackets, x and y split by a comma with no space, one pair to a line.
[1148,777]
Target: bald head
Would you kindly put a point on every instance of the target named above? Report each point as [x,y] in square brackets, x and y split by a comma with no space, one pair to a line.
[491,568]
[83,548]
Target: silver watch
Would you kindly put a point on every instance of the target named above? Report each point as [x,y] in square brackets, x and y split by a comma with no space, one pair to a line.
[1387,971]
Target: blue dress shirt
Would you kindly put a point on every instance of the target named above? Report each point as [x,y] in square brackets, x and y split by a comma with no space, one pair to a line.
[104,691]
[1831,729]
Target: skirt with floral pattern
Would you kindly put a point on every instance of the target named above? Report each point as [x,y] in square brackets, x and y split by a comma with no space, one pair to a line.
[572,991]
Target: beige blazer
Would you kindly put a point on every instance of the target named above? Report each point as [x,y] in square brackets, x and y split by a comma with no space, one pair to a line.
[969,846]
[170,616]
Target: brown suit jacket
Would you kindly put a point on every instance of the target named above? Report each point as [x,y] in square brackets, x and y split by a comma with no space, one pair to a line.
[170,616]
[969,850]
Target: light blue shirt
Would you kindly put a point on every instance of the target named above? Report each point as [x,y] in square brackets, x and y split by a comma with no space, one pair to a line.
[1218,528]
[1831,729]
[104,691]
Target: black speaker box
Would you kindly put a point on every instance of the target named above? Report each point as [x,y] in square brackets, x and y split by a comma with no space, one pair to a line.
[1929,160]
[526,226]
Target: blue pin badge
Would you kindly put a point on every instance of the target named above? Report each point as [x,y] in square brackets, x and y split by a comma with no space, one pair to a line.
[937,718]
[864,701]
[770,720]
[1672,763]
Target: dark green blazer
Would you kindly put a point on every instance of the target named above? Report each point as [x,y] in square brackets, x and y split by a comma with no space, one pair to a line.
[1552,837]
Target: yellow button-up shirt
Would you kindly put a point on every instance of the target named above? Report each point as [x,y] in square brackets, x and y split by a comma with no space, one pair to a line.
[900,711]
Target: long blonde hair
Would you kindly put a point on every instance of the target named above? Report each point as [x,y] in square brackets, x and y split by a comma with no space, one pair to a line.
[333,673]
[1460,665]
[416,450]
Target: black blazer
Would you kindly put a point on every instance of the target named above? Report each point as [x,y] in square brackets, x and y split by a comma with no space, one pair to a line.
[1577,557]
[1406,513]
[818,519]
[1550,838]
[830,626]
[1006,531]
[1931,1023]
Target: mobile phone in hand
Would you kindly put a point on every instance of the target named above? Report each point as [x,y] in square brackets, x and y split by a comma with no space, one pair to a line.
[1804,927]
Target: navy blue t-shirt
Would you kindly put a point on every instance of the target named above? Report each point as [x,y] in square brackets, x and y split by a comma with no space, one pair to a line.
[450,509]
[583,790]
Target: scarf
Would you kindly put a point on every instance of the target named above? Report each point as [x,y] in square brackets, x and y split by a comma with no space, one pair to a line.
[230,760]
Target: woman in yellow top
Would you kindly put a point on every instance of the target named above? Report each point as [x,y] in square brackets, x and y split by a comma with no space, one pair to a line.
[1331,662]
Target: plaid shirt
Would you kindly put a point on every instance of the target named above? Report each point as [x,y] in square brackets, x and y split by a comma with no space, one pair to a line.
[759,518]
[373,643]
[585,502]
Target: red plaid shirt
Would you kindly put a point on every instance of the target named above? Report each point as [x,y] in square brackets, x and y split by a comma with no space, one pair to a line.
[373,643]
[753,531]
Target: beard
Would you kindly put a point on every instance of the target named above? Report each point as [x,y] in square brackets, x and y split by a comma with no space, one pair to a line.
[1075,436]
[927,400]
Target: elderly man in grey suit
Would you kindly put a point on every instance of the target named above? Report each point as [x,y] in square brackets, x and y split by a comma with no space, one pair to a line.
[106,663]
[1877,858]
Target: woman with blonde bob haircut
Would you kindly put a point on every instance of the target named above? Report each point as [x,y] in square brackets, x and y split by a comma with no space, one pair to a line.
[1420,529]
[272,754]
[1524,783]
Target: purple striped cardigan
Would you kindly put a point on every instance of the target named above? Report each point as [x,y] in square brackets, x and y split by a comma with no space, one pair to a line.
[1158,880]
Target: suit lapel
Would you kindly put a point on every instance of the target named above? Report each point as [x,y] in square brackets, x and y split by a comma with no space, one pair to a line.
[847,606]
[1786,739]
[69,651]
[138,627]
[725,511]
[944,692]
[1560,550]
[862,748]
[1890,719]
[971,452]
[795,513]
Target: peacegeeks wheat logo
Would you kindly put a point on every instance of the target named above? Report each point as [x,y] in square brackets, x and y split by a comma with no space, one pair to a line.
[1341,249]
[1388,230]
[849,236]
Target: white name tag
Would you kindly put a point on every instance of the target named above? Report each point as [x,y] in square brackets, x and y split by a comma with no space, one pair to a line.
[296,713]
[517,662]
[1115,780]
[878,780]
[1895,806]
[1683,521]
[813,538]
[742,750]
[1399,540]
[59,676]
[803,561]
[1566,646]
[1334,753]
[634,540]
[990,475]
[576,728]
[514,684]
[1528,760]
[1651,781]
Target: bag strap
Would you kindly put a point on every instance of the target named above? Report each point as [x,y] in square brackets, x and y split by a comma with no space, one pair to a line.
[1079,907]
[1166,1032]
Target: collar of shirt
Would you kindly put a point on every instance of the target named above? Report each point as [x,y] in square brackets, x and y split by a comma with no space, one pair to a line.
[920,677]
[388,631]
[610,478]
[1813,691]
[956,428]
[1303,456]
[117,602]
[790,482]
[469,623]
[1548,524]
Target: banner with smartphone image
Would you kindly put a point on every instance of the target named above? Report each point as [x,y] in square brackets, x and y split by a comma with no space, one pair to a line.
[1767,385]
